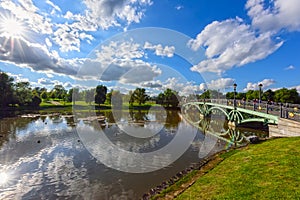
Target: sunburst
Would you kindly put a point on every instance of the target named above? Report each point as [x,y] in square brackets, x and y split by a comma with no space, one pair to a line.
[11,27]
[13,30]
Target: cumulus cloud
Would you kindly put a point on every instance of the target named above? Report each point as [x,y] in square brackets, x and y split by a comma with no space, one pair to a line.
[231,43]
[222,83]
[152,84]
[35,56]
[274,15]
[254,86]
[159,50]
[119,61]
[291,67]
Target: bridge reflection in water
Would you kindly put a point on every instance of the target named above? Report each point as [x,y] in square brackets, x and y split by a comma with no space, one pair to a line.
[216,124]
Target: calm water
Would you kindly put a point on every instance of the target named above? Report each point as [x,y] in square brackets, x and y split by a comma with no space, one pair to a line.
[43,157]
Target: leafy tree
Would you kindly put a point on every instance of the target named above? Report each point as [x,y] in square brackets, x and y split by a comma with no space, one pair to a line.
[116,99]
[23,93]
[285,95]
[100,96]
[89,96]
[230,95]
[168,98]
[44,95]
[73,92]
[268,95]
[35,102]
[58,92]
[139,95]
[6,89]
[252,94]
[205,95]
[108,97]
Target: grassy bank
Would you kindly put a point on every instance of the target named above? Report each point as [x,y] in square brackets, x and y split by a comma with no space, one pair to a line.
[270,170]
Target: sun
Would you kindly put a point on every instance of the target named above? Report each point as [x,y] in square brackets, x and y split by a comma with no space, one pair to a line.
[11,27]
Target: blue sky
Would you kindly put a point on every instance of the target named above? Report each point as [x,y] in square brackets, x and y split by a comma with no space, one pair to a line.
[203,43]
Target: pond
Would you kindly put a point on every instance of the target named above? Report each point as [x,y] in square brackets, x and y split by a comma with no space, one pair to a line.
[50,155]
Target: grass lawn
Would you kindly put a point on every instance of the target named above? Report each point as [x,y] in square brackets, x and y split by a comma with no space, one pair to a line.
[270,170]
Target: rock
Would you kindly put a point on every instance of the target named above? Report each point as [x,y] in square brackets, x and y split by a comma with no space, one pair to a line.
[253,139]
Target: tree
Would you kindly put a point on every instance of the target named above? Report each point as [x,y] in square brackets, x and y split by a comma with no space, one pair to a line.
[89,96]
[108,97]
[23,93]
[139,95]
[44,95]
[100,96]
[285,95]
[58,92]
[268,95]
[171,98]
[116,99]
[6,90]
[35,102]
[168,98]
[73,92]
[252,94]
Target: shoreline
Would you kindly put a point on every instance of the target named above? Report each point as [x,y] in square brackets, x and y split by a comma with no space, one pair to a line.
[191,173]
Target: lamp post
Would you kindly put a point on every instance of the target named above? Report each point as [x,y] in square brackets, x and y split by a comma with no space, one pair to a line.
[234,89]
[260,86]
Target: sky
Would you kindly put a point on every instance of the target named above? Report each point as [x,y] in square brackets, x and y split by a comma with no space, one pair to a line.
[185,45]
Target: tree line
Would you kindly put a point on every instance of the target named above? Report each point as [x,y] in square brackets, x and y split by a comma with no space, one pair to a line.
[22,94]
[282,95]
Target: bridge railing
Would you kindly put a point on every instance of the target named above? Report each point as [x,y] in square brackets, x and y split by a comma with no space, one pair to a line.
[283,110]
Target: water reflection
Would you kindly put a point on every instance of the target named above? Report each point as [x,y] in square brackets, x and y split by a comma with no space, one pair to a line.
[217,125]
[42,157]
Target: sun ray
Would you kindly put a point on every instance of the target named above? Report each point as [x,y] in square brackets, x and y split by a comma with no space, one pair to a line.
[13,30]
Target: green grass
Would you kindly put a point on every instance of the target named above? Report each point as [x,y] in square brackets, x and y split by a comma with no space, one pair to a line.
[270,170]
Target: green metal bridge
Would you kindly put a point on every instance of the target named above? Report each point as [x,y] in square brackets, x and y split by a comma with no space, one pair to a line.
[239,112]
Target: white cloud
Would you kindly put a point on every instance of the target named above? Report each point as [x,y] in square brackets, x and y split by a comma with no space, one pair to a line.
[119,61]
[36,57]
[254,86]
[25,11]
[152,84]
[222,83]
[231,43]
[274,15]
[55,7]
[160,50]
[179,7]
[291,67]
[18,77]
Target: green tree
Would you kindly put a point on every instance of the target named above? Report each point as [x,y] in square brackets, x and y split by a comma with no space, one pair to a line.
[108,97]
[116,99]
[23,93]
[6,88]
[171,98]
[100,96]
[168,98]
[139,95]
[268,95]
[44,95]
[285,95]
[58,92]
[252,94]
[89,96]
